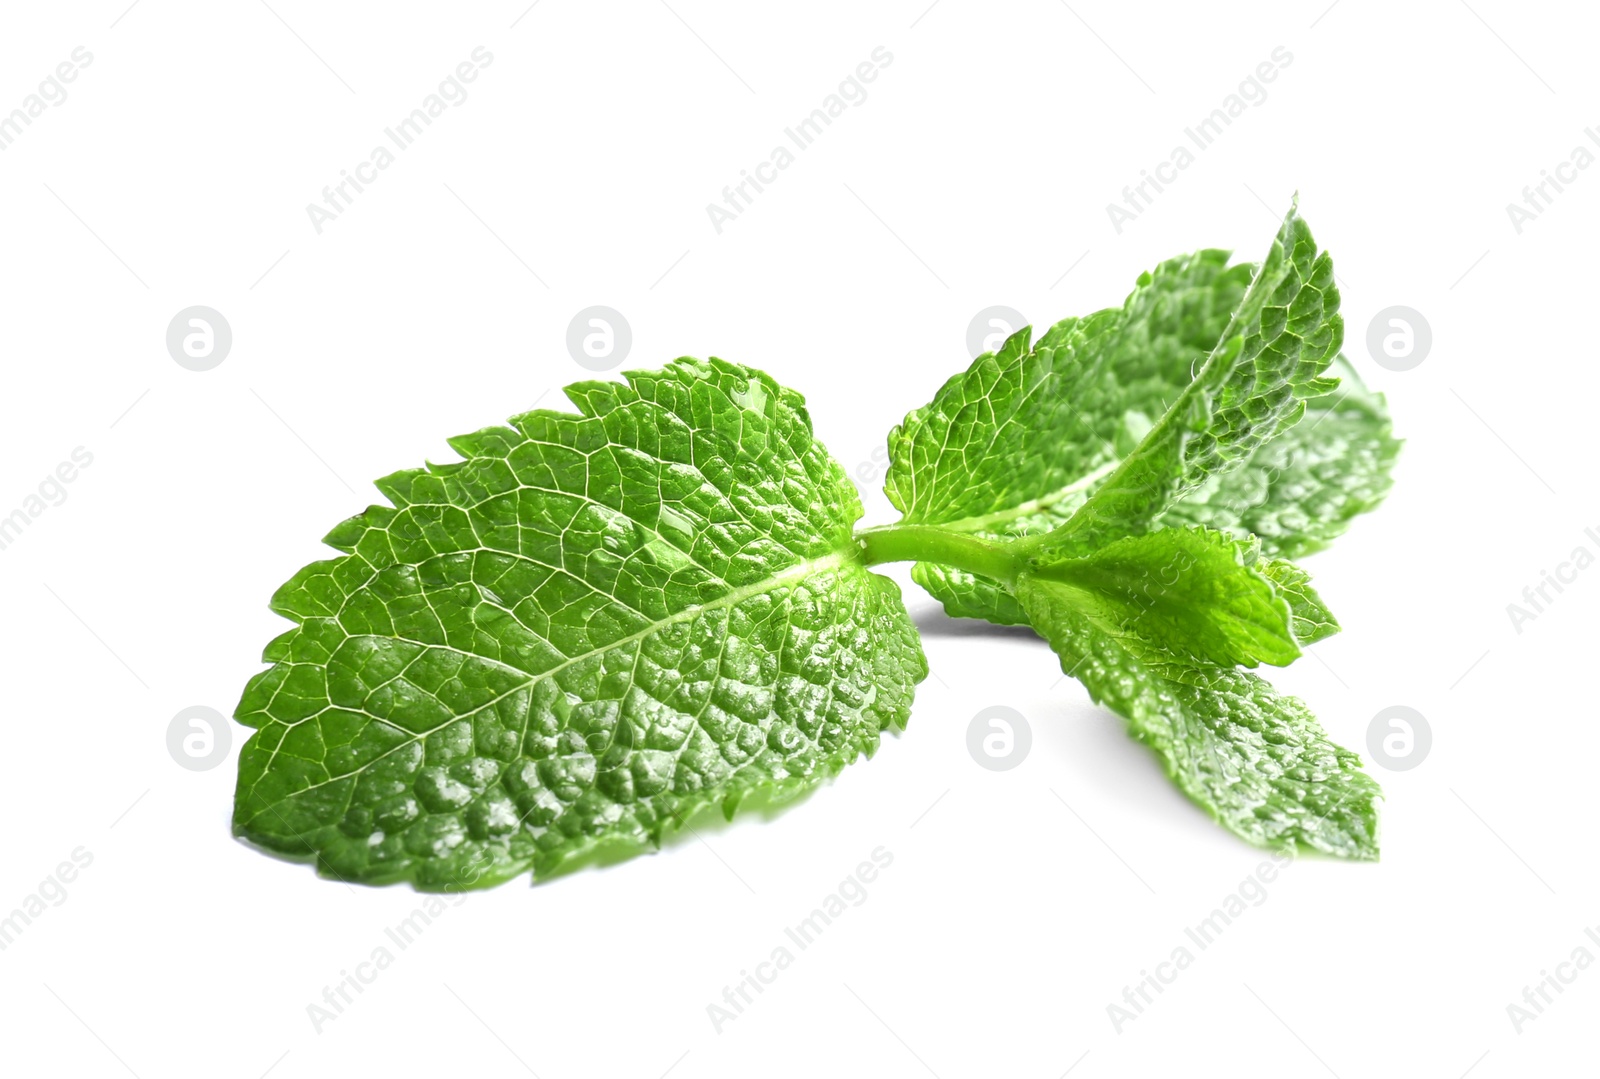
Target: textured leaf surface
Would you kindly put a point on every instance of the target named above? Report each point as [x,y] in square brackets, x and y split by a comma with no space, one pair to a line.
[1013,445]
[1296,494]
[1312,619]
[1296,491]
[1272,356]
[1300,490]
[1186,592]
[561,646]
[1255,760]
[1023,428]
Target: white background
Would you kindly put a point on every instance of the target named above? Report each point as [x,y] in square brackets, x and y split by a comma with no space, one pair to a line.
[976,172]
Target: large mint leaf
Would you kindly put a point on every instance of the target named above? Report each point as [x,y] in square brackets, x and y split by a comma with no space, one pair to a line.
[1255,760]
[564,644]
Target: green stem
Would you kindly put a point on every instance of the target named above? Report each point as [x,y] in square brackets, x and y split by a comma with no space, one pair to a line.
[931,543]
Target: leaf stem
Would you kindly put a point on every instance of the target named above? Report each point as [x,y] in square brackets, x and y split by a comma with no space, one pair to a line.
[932,543]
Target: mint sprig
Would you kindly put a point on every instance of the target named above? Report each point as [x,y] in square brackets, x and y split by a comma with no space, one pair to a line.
[598,623]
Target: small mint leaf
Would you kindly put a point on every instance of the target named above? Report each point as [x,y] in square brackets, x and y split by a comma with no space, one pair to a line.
[1187,593]
[1312,619]
[1257,761]
[1270,358]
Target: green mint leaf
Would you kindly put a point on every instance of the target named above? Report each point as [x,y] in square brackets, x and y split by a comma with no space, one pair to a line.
[1272,356]
[1025,428]
[1017,443]
[1301,490]
[1312,619]
[1188,593]
[969,595]
[1296,493]
[1013,445]
[964,457]
[561,646]
[1257,761]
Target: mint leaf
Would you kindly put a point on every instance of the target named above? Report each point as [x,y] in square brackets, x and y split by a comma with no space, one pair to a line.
[1186,592]
[1300,490]
[1295,494]
[561,646]
[1312,619]
[1026,428]
[1013,445]
[1271,357]
[1256,761]
[1296,491]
